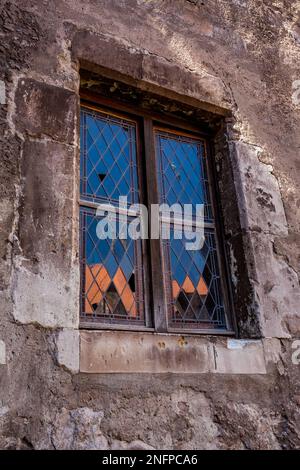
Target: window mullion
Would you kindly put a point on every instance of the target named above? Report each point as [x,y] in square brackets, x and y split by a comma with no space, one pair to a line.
[160,316]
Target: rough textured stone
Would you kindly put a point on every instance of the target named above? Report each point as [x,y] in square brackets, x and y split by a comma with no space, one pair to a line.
[185,419]
[241,58]
[137,64]
[112,351]
[67,344]
[9,189]
[2,352]
[45,277]
[47,202]
[240,357]
[2,92]
[20,35]
[203,87]
[277,287]
[38,111]
[134,445]
[259,195]
[260,432]
[124,352]
[107,52]
[78,429]
[46,298]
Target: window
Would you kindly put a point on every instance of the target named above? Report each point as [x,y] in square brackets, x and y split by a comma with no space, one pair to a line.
[156,283]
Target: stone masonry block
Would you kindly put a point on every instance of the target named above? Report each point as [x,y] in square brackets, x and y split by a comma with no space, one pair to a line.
[43,109]
[46,213]
[67,344]
[239,357]
[107,52]
[2,352]
[48,298]
[124,352]
[259,195]
[128,352]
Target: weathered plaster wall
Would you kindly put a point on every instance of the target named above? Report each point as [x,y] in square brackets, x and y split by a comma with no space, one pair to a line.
[242,56]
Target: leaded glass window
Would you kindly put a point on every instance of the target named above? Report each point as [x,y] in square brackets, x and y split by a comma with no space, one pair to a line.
[155,284]
[111,269]
[191,277]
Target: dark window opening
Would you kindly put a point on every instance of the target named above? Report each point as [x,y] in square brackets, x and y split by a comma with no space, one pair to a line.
[147,284]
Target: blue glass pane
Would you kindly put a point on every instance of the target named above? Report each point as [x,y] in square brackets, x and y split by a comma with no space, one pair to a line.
[182,172]
[108,158]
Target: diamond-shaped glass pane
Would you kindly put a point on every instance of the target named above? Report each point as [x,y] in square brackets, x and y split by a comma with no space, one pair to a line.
[108,158]
[111,280]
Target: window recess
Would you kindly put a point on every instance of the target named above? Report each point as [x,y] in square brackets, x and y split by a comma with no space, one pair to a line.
[152,284]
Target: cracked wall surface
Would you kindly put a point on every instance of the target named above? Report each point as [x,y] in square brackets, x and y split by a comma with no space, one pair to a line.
[238,59]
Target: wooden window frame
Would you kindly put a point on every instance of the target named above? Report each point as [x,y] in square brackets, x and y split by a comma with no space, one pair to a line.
[156,315]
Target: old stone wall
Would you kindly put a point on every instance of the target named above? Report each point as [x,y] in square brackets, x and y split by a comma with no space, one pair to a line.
[238,59]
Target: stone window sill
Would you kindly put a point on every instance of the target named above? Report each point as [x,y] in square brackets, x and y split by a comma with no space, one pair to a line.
[104,352]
